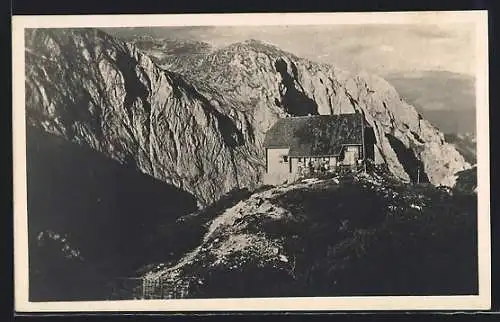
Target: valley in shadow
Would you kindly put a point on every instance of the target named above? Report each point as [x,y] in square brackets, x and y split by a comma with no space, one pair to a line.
[92,219]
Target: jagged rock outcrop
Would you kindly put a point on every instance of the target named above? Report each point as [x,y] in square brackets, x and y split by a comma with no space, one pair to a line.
[91,89]
[174,54]
[274,83]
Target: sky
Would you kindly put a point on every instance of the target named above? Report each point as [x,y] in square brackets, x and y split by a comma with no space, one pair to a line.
[379,49]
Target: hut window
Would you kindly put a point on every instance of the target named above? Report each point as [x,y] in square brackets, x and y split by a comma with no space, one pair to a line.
[285,158]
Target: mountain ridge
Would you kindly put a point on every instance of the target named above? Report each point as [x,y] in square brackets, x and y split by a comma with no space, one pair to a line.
[424,89]
[239,91]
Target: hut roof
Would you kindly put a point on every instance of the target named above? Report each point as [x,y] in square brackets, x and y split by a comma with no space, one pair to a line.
[317,135]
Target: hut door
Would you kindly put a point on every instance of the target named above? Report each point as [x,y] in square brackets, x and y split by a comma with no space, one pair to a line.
[348,158]
[351,155]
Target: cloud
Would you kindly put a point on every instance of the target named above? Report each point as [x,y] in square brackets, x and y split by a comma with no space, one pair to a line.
[386,48]
[433,31]
[356,49]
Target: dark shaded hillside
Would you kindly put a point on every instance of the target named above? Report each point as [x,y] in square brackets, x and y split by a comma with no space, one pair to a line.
[466,181]
[108,213]
[398,241]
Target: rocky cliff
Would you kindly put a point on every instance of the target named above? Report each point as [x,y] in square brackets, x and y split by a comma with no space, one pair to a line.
[91,89]
[273,83]
[202,131]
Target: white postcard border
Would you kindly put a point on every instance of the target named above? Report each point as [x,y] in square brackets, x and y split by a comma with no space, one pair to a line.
[473,302]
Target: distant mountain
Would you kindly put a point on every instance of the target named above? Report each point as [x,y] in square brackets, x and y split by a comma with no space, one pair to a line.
[459,122]
[163,47]
[174,55]
[465,144]
[446,99]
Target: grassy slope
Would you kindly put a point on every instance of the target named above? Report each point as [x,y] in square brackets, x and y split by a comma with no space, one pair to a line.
[362,235]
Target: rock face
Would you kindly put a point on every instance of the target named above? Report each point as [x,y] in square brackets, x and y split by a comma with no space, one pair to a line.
[91,89]
[275,83]
[203,131]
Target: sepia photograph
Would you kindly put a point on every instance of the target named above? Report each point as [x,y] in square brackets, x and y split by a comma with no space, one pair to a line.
[251,162]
